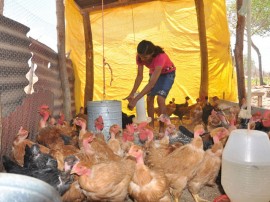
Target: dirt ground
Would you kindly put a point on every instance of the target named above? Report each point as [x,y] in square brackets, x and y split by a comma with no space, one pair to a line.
[207,193]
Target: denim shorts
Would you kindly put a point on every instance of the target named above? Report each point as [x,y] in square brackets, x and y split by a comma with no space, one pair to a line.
[163,85]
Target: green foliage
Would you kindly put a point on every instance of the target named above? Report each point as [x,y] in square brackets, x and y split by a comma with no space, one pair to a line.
[255,81]
[260,17]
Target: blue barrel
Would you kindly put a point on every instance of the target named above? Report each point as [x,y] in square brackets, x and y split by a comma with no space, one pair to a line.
[111,112]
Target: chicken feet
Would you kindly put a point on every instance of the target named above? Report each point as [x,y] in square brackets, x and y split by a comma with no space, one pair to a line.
[197,198]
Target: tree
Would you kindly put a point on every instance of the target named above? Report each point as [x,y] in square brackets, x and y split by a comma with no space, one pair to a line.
[238,52]
[260,24]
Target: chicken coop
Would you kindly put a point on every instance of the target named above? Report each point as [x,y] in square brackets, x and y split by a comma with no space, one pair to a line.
[97,59]
[101,39]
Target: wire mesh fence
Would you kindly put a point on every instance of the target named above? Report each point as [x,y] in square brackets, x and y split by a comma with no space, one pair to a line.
[29,77]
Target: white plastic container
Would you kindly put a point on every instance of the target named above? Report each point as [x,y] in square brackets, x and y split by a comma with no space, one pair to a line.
[141,111]
[111,112]
[245,174]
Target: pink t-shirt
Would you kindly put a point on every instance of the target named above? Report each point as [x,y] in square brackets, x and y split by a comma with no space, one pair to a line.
[161,60]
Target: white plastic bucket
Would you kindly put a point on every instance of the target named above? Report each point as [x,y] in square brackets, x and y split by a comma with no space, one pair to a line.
[111,112]
[245,173]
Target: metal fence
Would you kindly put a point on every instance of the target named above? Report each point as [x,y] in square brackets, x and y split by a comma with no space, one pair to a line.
[29,77]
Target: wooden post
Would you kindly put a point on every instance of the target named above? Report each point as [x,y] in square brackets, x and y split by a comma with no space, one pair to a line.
[60,13]
[238,52]
[89,67]
[203,48]
[2,7]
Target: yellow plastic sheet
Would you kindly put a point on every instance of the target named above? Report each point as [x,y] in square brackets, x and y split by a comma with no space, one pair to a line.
[169,24]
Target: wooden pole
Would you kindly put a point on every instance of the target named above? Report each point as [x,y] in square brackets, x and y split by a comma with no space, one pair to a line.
[2,7]
[203,48]
[89,68]
[238,52]
[60,13]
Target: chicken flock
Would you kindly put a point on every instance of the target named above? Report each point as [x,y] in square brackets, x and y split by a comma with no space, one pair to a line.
[134,164]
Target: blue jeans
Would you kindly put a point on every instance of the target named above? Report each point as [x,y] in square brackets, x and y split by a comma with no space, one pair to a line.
[163,85]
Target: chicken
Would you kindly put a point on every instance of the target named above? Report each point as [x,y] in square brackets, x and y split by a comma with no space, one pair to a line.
[46,119]
[51,133]
[170,108]
[266,119]
[87,156]
[260,121]
[61,121]
[207,171]
[113,143]
[232,119]
[196,113]
[92,145]
[185,104]
[98,148]
[144,131]
[40,166]
[165,119]
[176,136]
[74,193]
[60,151]
[217,119]
[147,185]
[82,124]
[106,181]
[51,136]
[34,158]
[180,165]
[220,134]
[184,109]
[18,146]
[99,125]
[128,133]
[206,110]
[126,119]
[158,149]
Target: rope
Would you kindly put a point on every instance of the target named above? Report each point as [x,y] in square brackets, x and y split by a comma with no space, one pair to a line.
[104,60]
[133,26]
[104,90]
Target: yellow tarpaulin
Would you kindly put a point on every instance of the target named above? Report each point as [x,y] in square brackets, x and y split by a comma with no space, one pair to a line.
[169,24]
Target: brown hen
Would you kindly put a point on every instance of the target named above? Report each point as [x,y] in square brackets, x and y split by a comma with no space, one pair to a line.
[207,171]
[106,181]
[18,146]
[180,166]
[147,185]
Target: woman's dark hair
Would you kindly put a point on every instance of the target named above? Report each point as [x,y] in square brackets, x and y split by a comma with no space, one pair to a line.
[147,48]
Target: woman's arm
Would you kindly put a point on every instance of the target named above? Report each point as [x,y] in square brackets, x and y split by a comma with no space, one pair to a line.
[137,83]
[147,88]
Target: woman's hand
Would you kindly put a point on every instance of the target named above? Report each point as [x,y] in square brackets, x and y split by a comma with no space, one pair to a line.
[129,98]
[132,103]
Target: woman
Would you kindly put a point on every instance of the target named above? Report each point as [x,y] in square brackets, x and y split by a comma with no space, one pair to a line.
[162,74]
